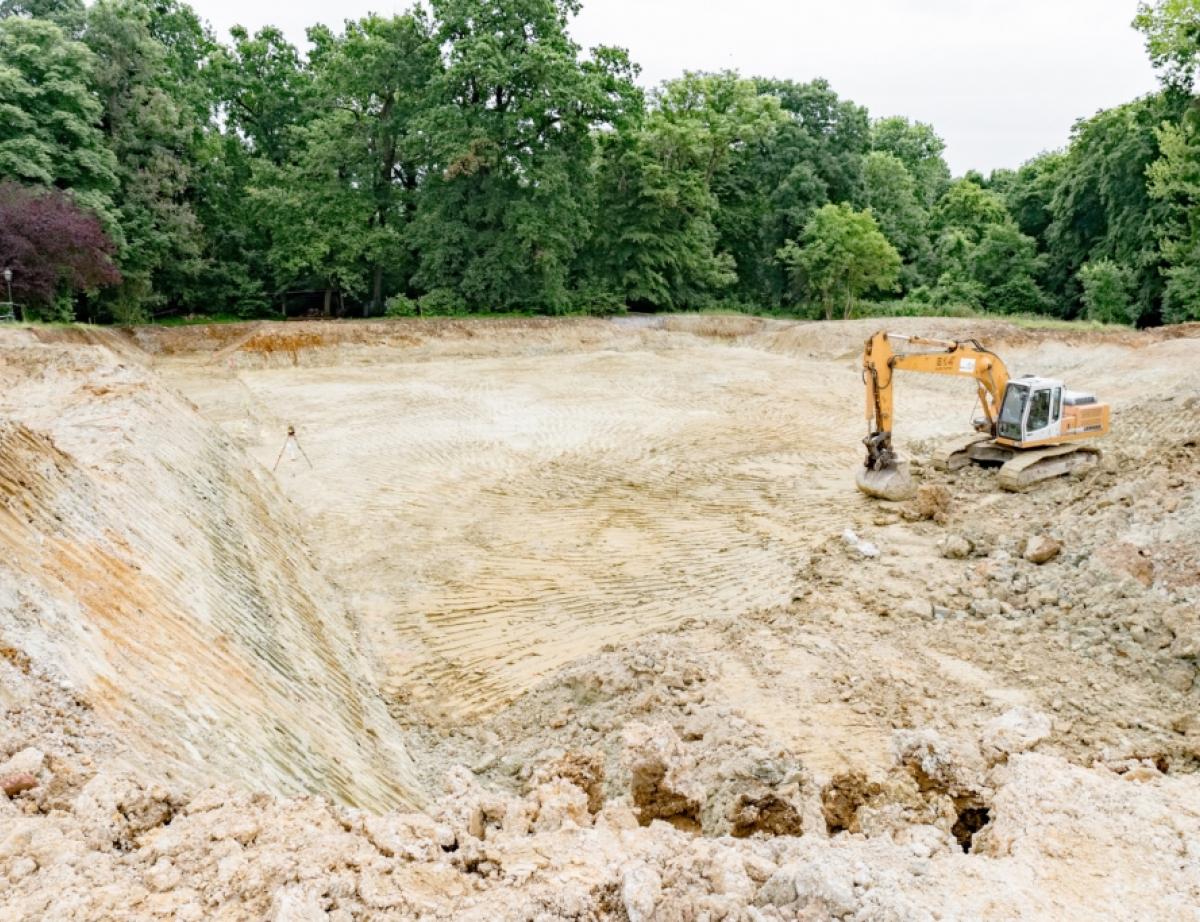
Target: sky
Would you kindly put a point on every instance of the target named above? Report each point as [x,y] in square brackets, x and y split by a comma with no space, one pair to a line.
[1000,80]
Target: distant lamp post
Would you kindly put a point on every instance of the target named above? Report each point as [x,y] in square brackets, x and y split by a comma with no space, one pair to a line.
[12,308]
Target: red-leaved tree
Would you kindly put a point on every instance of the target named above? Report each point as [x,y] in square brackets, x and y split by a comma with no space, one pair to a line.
[51,245]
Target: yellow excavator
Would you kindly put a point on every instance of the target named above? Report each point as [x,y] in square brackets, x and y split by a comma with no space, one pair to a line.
[1031,427]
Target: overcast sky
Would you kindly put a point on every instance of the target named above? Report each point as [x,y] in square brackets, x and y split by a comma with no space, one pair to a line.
[1000,80]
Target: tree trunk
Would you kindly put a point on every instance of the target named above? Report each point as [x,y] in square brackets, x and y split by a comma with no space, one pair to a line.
[849,304]
[328,302]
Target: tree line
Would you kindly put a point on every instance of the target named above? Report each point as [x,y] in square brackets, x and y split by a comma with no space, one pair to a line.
[469,156]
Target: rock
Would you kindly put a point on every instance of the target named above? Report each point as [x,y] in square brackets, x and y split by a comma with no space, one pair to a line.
[932,502]
[402,835]
[163,875]
[641,889]
[986,607]
[1128,558]
[937,763]
[1015,731]
[297,904]
[26,762]
[660,774]
[955,547]
[560,803]
[779,890]
[15,784]
[584,769]
[853,541]
[1039,549]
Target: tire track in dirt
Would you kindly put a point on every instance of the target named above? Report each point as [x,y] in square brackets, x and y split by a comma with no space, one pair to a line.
[516,511]
[496,512]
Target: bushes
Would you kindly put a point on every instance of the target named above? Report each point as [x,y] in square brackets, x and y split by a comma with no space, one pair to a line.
[1106,292]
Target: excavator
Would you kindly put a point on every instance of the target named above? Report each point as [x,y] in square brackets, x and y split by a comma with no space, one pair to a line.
[1032,428]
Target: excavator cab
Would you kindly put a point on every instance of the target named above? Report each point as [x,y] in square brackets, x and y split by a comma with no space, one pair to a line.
[1030,412]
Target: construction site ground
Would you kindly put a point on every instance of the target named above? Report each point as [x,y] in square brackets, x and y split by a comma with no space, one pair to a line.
[584,619]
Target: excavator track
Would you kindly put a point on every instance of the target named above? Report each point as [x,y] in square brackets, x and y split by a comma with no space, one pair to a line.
[956,453]
[1033,466]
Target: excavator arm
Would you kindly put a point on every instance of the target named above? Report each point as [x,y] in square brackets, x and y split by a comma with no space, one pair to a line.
[881,360]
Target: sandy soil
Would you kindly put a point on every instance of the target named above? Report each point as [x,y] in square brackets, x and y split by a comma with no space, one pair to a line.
[595,573]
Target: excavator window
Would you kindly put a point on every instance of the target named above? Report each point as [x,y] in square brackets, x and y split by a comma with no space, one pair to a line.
[1039,411]
[1012,410]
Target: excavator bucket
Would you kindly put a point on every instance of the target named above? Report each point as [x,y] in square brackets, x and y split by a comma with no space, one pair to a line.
[892,482]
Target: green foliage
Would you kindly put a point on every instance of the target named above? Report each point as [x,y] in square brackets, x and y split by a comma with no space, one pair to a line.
[401,306]
[68,15]
[441,302]
[1102,207]
[891,194]
[1181,300]
[150,124]
[968,209]
[510,141]
[1006,266]
[920,149]
[841,256]
[1172,30]
[1175,184]
[1029,193]
[338,191]
[50,117]
[468,156]
[1106,289]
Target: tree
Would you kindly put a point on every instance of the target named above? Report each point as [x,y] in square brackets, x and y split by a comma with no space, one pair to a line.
[49,117]
[1106,287]
[841,256]
[709,133]
[828,134]
[68,15]
[1174,182]
[890,192]
[812,154]
[1102,207]
[361,150]
[510,140]
[1006,266]
[263,93]
[1029,193]
[968,208]
[1172,30]
[53,247]
[264,90]
[920,149]
[658,245]
[154,117]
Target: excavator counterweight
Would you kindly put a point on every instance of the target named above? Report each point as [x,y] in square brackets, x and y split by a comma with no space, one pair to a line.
[1030,426]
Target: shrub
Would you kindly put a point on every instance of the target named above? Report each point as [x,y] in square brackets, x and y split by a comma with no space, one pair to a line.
[401,306]
[1106,292]
[441,302]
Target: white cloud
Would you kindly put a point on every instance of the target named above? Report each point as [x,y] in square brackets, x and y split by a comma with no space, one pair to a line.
[1001,80]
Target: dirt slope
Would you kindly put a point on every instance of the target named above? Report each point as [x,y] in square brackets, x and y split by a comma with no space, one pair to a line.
[146,562]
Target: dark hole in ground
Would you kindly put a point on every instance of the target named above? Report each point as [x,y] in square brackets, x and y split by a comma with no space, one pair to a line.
[970,821]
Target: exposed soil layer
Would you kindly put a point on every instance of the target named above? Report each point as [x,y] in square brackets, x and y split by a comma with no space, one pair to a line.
[594,596]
